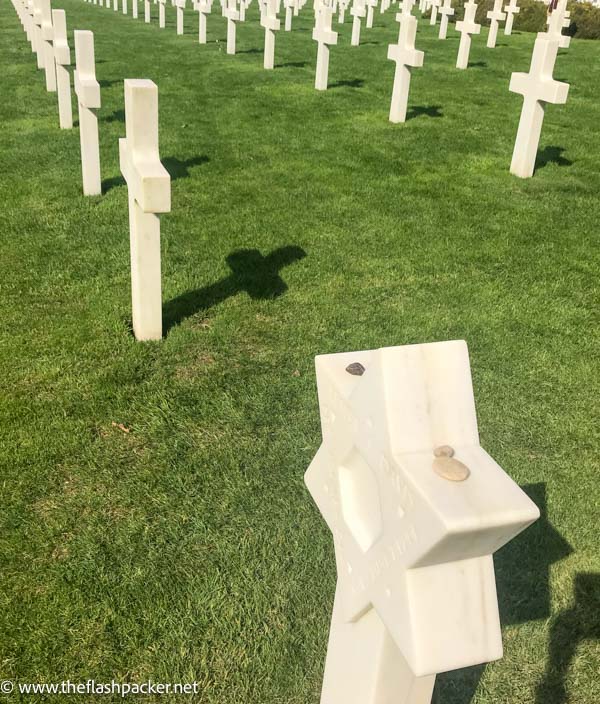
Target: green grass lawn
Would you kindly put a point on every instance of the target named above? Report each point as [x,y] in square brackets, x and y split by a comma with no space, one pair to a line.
[154,520]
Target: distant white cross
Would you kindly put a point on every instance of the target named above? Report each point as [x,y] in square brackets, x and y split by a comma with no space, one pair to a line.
[358,11]
[204,8]
[271,24]
[289,13]
[434,11]
[406,57]
[556,23]
[87,90]
[149,190]
[371,5]
[324,36]
[147,11]
[342,7]
[232,14]
[466,27]
[511,10]
[47,34]
[446,11]
[62,58]
[537,87]
[161,13]
[180,7]
[495,16]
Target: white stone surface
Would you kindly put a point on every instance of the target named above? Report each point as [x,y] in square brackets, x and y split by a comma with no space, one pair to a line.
[47,34]
[358,11]
[435,4]
[149,188]
[271,24]
[466,27]
[147,15]
[416,590]
[406,57]
[495,16]
[371,5]
[204,8]
[87,89]
[62,58]
[406,6]
[556,23]
[180,7]
[446,11]
[537,87]
[342,7]
[289,13]
[511,9]
[124,6]
[324,36]
[161,13]
[232,14]
[134,9]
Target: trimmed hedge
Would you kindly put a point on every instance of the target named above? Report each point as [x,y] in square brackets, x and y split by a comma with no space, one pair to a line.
[585,18]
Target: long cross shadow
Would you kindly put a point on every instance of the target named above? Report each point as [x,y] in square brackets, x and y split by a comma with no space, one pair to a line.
[551,155]
[523,584]
[571,627]
[353,83]
[252,273]
[424,110]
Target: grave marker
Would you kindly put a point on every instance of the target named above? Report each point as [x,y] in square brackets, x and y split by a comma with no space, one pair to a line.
[46,34]
[180,6]
[434,11]
[147,11]
[324,36]
[537,87]
[204,8]
[161,13]
[406,57]
[495,16]
[271,24]
[232,15]
[358,11]
[511,10]
[87,89]
[149,191]
[446,11]
[466,27]
[556,22]
[62,57]
[371,5]
[416,508]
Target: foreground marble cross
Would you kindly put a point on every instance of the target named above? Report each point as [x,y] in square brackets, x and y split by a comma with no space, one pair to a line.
[358,11]
[406,57]
[324,36]
[537,87]
[62,58]
[87,89]
[149,188]
[495,16]
[446,11]
[466,27]
[511,10]
[47,35]
[416,508]
[271,24]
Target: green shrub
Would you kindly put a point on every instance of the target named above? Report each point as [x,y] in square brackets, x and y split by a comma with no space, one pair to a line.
[585,18]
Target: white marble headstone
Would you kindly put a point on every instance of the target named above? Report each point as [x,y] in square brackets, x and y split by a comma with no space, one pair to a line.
[87,89]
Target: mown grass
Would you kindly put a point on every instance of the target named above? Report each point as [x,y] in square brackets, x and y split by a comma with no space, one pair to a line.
[154,520]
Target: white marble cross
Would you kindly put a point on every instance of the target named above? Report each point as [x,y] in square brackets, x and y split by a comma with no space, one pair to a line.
[232,14]
[435,4]
[446,11]
[149,189]
[62,58]
[134,9]
[556,22]
[537,87]
[406,6]
[116,5]
[406,57]
[47,34]
[271,24]
[289,13]
[511,10]
[342,7]
[180,7]
[371,5]
[416,508]
[358,11]
[161,13]
[324,36]
[124,6]
[87,89]
[147,11]
[204,8]
[495,16]
[466,27]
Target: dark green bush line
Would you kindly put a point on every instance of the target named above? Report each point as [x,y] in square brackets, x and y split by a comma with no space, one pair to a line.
[585,18]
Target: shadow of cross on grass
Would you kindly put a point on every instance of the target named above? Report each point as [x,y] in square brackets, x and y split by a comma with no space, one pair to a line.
[522,570]
[251,273]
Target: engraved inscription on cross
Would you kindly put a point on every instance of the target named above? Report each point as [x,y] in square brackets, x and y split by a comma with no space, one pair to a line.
[416,508]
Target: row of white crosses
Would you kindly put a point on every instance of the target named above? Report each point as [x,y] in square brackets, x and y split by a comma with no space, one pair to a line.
[416,508]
